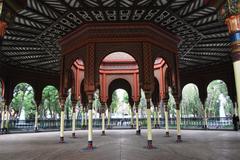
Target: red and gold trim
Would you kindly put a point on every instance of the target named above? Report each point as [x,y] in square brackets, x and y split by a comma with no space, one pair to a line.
[233,23]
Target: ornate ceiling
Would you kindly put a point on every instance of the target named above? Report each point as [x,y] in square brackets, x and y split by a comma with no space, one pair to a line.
[31,41]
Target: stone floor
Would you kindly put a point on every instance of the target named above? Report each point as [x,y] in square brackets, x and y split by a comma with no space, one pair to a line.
[122,145]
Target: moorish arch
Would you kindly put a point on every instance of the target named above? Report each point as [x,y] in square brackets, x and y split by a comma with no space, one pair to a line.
[191,104]
[119,84]
[122,67]
[77,70]
[26,94]
[218,102]
[49,109]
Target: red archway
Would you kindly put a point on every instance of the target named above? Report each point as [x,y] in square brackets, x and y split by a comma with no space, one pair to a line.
[119,65]
[77,70]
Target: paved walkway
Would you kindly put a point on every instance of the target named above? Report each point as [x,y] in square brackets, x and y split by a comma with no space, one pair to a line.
[122,145]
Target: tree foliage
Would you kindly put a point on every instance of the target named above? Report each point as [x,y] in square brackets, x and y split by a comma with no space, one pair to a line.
[23,99]
[191,104]
[119,101]
[143,103]
[217,89]
[50,107]
[115,102]
[171,103]
[96,102]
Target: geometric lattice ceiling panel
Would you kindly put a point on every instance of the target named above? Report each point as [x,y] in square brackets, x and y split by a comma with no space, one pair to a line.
[31,41]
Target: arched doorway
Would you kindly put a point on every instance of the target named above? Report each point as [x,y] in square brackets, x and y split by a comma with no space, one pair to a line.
[191,104]
[119,70]
[49,110]
[118,65]
[219,106]
[121,109]
[22,107]
[192,109]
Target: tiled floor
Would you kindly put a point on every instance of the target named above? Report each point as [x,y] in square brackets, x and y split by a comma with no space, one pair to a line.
[122,145]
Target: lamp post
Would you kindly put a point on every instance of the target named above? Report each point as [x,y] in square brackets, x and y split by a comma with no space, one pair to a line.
[230,13]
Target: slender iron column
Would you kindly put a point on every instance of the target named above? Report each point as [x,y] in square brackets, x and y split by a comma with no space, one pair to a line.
[149,125]
[138,130]
[62,104]
[82,123]
[109,117]
[158,117]
[131,116]
[74,103]
[103,119]
[90,128]
[166,117]
[36,120]
[178,122]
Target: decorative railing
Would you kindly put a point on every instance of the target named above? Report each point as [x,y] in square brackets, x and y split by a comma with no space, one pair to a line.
[186,123]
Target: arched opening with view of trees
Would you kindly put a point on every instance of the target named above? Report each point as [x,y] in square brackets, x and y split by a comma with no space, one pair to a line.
[96,104]
[23,106]
[191,105]
[50,108]
[218,102]
[171,104]
[68,105]
[120,107]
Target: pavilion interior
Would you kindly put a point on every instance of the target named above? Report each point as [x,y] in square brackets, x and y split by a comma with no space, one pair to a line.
[62,62]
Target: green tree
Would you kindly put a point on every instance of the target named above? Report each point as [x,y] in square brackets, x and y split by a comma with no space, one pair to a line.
[143,103]
[171,103]
[115,102]
[191,104]
[215,89]
[96,101]
[23,99]
[50,106]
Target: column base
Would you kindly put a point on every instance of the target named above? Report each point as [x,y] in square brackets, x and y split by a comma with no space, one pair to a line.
[90,145]
[205,127]
[74,135]
[61,140]
[108,127]
[149,145]
[138,132]
[179,139]
[132,126]
[167,134]
[35,129]
[4,131]
[103,133]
